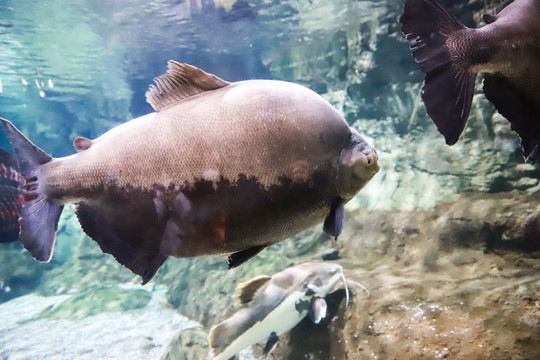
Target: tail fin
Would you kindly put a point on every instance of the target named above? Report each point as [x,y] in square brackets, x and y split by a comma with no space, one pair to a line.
[449,87]
[11,183]
[39,218]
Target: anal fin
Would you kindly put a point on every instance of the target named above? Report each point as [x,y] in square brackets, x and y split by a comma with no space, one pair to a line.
[126,238]
[240,257]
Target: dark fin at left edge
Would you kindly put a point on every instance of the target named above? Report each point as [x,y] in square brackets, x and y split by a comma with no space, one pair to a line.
[97,226]
[449,88]
[240,257]
[516,108]
[39,218]
[10,189]
[272,341]
[333,224]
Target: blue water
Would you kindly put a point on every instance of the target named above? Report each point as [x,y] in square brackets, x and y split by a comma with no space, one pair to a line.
[80,67]
[73,68]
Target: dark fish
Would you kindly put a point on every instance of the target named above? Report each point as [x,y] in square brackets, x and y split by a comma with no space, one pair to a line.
[10,206]
[218,169]
[506,50]
[274,305]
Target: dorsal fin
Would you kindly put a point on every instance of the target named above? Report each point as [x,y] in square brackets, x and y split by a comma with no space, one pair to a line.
[179,82]
[81,143]
[246,290]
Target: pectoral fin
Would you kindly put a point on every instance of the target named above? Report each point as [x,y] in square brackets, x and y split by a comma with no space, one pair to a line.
[318,309]
[333,224]
[272,341]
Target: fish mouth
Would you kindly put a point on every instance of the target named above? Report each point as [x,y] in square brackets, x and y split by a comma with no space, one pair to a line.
[367,165]
[357,166]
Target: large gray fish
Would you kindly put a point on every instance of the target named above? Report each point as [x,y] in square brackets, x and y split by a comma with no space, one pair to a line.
[218,169]
[506,49]
[274,305]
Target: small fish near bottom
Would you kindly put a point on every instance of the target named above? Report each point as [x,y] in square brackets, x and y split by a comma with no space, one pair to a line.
[273,305]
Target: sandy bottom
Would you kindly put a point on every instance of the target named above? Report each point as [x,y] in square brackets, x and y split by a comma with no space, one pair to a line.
[136,334]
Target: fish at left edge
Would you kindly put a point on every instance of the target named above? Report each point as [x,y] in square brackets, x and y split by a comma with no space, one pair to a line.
[11,183]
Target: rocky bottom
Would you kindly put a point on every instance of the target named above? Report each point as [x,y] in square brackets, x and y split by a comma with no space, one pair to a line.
[489,310]
[33,327]
[460,281]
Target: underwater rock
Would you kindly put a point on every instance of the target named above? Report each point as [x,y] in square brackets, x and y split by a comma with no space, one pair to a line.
[20,274]
[187,345]
[86,267]
[429,273]
[136,334]
[98,300]
[192,344]
[452,320]
[331,254]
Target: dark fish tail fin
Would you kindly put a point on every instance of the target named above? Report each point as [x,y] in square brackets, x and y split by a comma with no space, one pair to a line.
[449,86]
[38,218]
[11,182]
